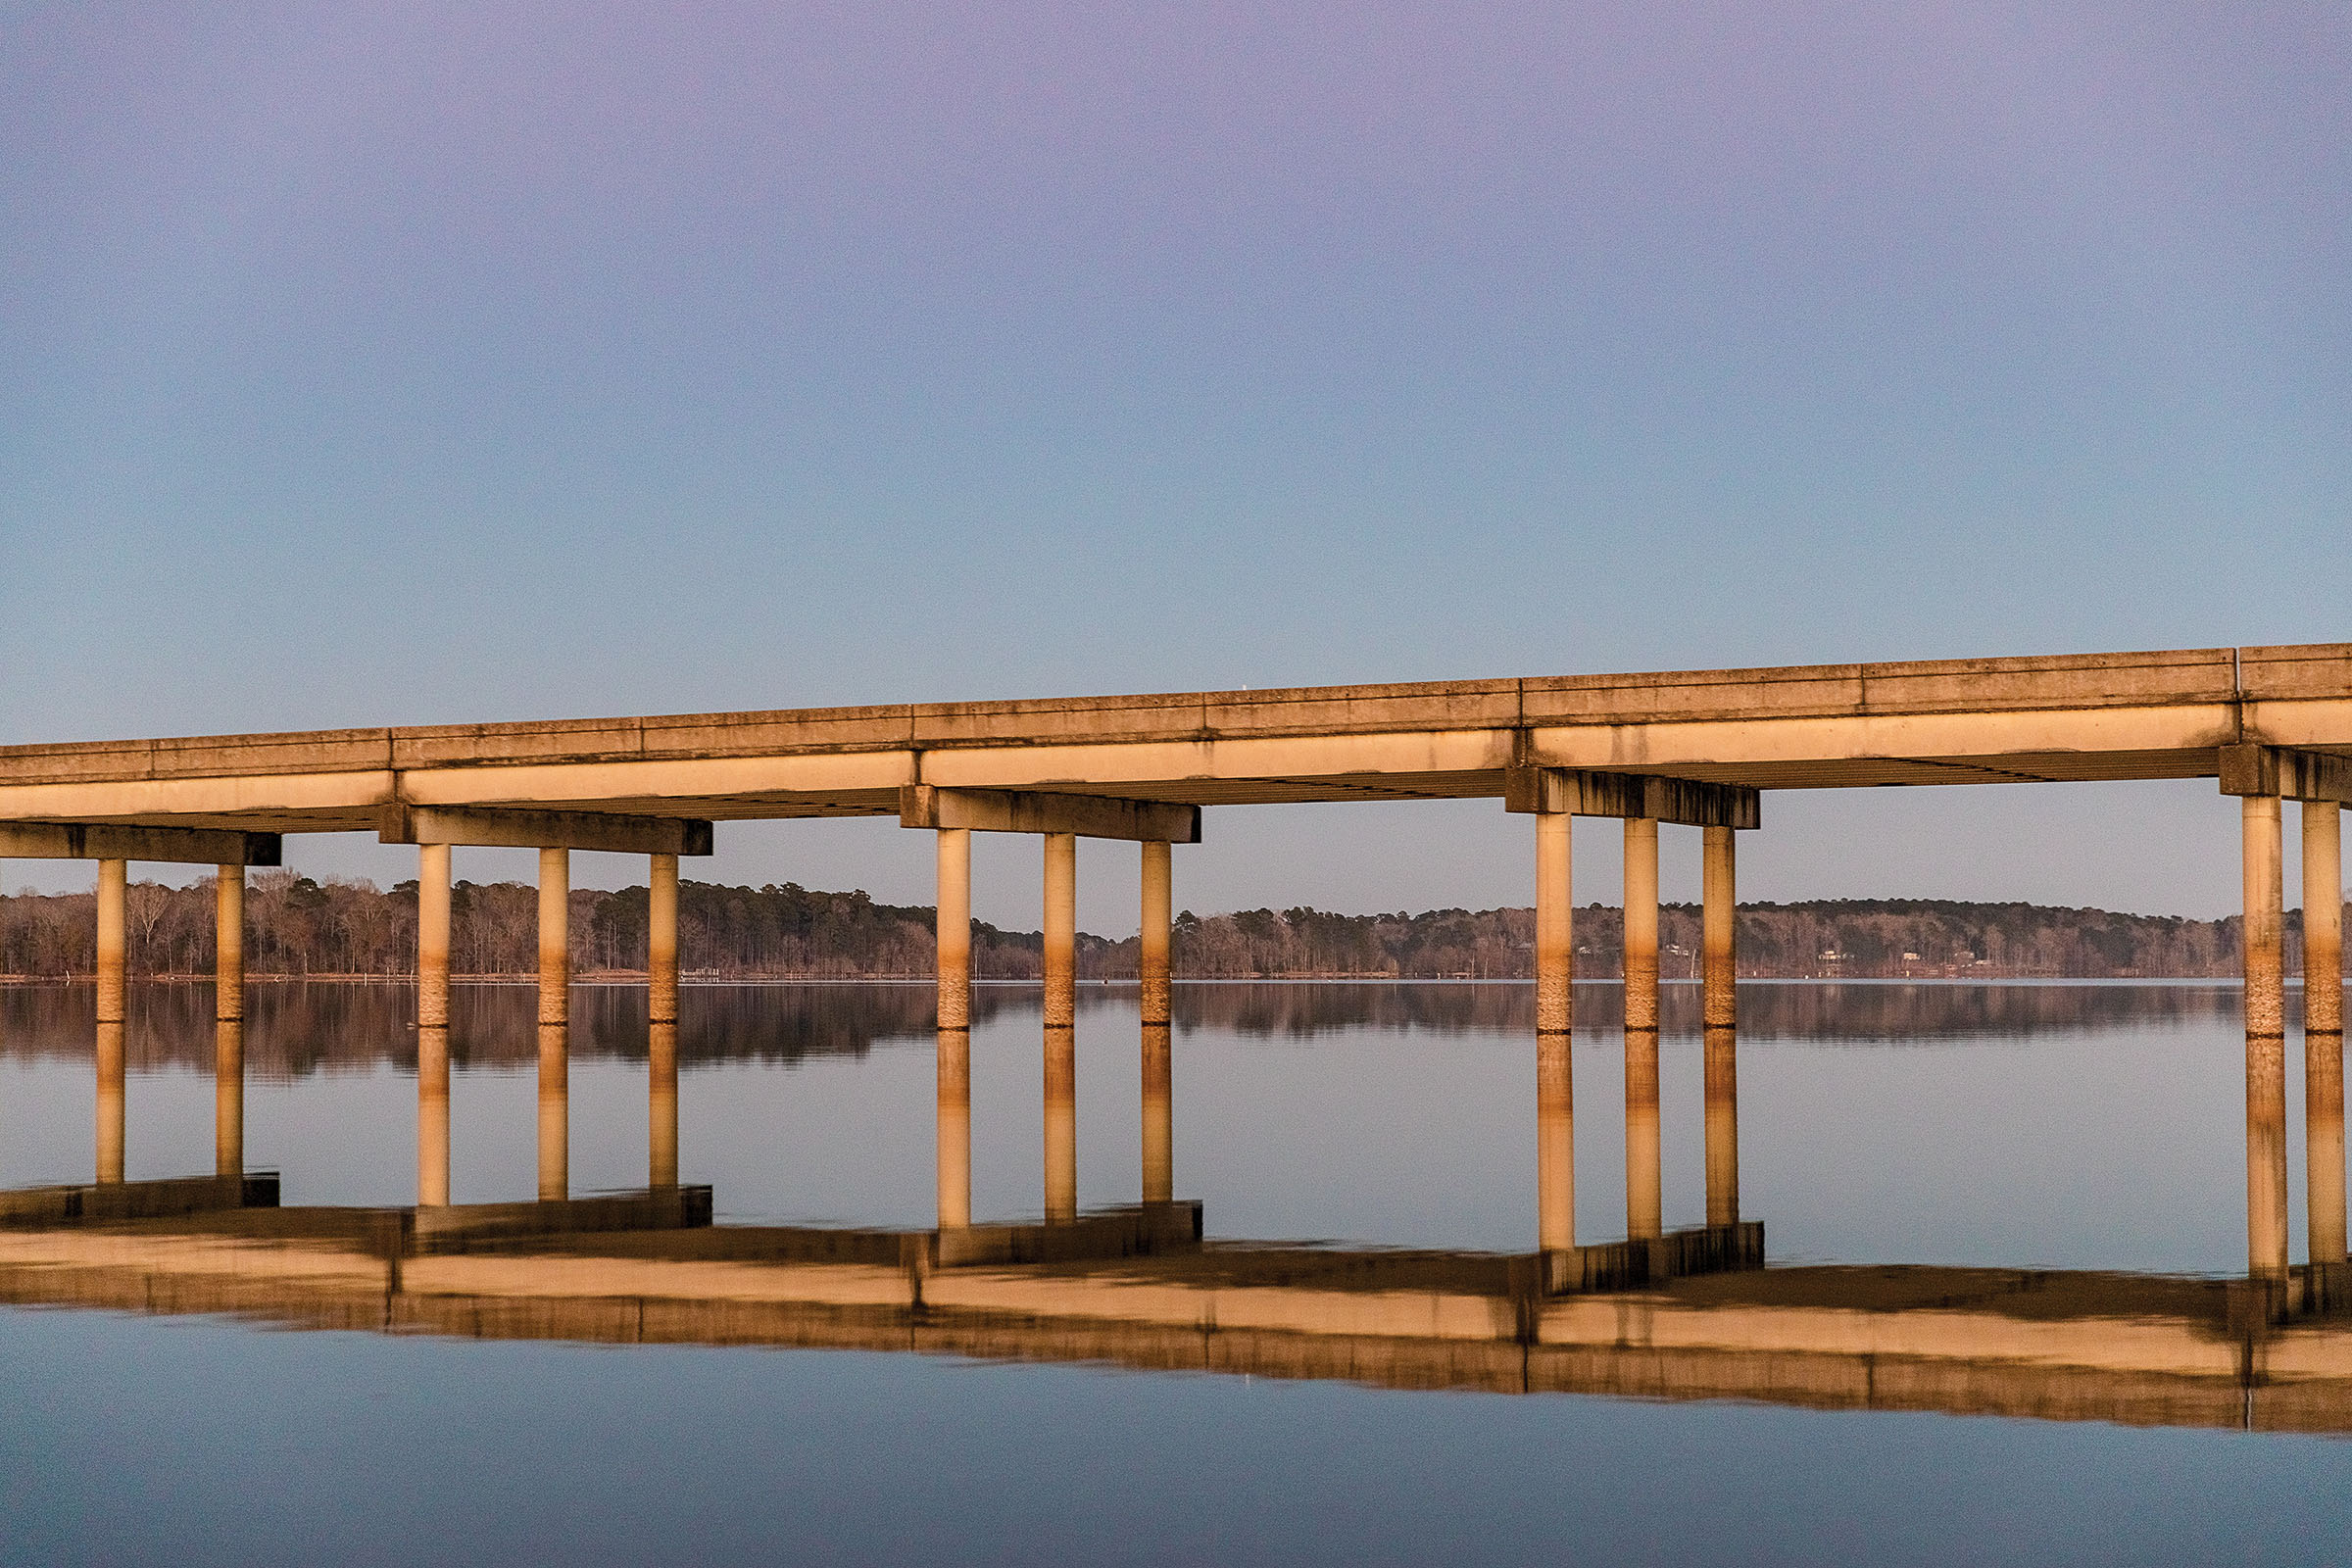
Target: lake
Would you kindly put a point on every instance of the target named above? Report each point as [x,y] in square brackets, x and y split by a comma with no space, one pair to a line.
[1995,1323]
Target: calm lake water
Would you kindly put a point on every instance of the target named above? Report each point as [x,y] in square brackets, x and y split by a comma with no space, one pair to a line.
[2048,1127]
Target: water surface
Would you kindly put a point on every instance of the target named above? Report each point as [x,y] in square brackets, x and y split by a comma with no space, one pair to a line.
[2037,1126]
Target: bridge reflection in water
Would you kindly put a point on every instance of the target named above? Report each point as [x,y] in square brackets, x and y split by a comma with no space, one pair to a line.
[1685,1314]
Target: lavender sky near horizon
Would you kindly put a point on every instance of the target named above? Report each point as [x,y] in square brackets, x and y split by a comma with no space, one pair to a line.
[421,364]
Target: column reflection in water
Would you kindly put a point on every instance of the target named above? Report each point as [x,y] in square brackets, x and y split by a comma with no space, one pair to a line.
[1642,1174]
[432,1115]
[661,1105]
[2266,1044]
[954,1129]
[1723,1125]
[1061,1124]
[1160,1115]
[1555,1142]
[555,1112]
[110,1101]
[228,1096]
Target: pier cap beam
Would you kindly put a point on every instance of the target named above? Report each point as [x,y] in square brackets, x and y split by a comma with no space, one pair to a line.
[1091,816]
[108,841]
[1578,792]
[2287,773]
[529,828]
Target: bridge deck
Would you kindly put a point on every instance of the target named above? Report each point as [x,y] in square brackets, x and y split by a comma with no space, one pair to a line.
[2098,716]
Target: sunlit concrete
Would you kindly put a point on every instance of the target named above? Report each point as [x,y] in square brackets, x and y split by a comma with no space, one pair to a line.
[555,936]
[228,942]
[954,1128]
[1062,1123]
[1640,923]
[2264,933]
[953,928]
[1152,931]
[1719,929]
[432,936]
[432,1115]
[114,878]
[555,1111]
[662,940]
[1555,935]
[1555,1142]
[228,1096]
[1061,929]
[1159,1114]
[2165,714]
[661,1105]
[2323,917]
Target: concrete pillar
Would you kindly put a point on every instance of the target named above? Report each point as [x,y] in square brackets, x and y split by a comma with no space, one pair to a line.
[113,886]
[555,1111]
[2323,917]
[432,936]
[555,936]
[1160,1115]
[955,928]
[1151,946]
[229,958]
[1640,923]
[1719,930]
[2323,1028]
[954,1128]
[662,941]
[2265,1047]
[110,1100]
[1644,1174]
[1555,944]
[1061,1125]
[1555,1141]
[432,1115]
[1061,930]
[228,1096]
[1722,1071]
[662,1105]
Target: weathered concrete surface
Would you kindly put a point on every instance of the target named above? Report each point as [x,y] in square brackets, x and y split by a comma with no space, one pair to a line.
[177,846]
[170,1197]
[524,828]
[1093,816]
[2089,716]
[1654,1259]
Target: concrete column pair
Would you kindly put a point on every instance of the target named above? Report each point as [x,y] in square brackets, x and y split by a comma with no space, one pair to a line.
[1059,963]
[229,1014]
[2264,943]
[1555,953]
[2322,1038]
[555,1012]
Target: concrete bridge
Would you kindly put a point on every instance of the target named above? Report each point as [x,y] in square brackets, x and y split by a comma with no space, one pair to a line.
[1695,748]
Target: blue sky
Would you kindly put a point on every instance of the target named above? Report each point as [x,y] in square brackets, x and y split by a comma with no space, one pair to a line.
[422,363]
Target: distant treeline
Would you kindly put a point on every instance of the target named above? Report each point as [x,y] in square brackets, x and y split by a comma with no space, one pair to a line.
[297,1029]
[298,926]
